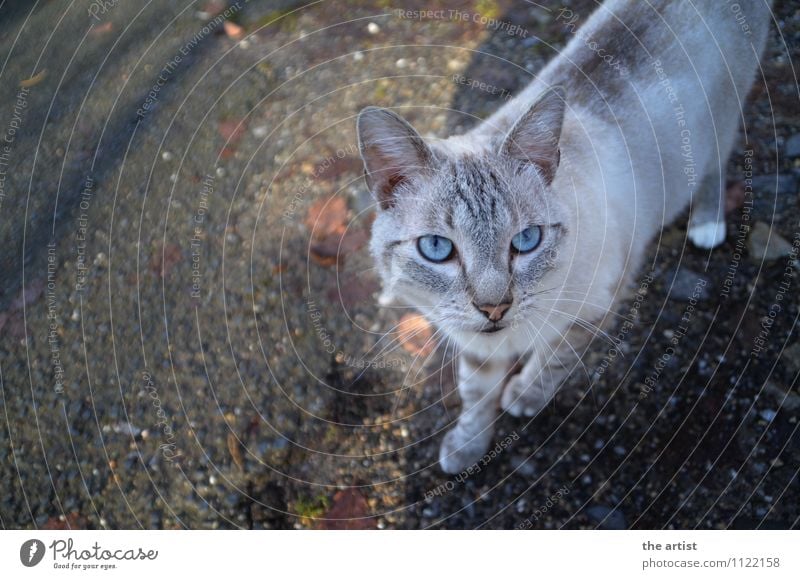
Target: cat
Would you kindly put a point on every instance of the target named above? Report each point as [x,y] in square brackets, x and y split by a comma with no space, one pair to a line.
[518,239]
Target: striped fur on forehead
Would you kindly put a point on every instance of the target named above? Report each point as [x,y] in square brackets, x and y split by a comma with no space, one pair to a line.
[489,198]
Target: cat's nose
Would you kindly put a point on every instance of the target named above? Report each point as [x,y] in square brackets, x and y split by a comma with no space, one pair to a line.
[495,312]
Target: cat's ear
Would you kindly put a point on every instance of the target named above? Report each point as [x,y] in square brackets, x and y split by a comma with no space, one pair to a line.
[534,137]
[392,152]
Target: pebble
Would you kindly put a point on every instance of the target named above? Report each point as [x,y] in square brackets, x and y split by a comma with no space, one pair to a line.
[260,131]
[792,146]
[373,28]
[401,63]
[167,156]
[687,284]
[780,184]
[358,56]
[768,414]
[791,358]
[607,518]
[220,172]
[766,244]
[523,466]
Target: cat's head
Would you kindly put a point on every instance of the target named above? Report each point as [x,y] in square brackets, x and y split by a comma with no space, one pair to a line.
[466,231]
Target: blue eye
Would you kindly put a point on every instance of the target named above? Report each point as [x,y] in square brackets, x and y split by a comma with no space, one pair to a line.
[435,248]
[527,240]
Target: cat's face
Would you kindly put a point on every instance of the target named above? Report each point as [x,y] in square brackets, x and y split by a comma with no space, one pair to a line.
[468,235]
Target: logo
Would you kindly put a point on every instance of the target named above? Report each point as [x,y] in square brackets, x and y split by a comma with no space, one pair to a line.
[31,553]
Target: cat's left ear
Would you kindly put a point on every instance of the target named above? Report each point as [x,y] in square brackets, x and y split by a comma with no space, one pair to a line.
[534,137]
[392,151]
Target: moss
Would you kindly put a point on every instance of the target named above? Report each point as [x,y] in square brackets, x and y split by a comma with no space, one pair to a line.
[381,94]
[488,8]
[309,509]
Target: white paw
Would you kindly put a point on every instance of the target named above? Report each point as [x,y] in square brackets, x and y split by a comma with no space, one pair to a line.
[519,399]
[459,451]
[707,235]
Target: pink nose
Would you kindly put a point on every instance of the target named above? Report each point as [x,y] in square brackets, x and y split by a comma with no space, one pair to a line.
[494,312]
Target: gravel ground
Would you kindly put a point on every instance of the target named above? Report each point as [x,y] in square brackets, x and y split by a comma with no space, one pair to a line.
[184,326]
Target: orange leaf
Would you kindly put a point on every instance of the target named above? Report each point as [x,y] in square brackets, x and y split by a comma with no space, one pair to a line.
[349,511]
[231,130]
[233,30]
[100,29]
[34,80]
[327,216]
[416,335]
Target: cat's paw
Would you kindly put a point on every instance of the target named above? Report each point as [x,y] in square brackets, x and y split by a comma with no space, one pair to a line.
[707,235]
[521,399]
[460,451]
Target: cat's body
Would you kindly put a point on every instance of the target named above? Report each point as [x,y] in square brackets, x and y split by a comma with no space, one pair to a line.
[548,206]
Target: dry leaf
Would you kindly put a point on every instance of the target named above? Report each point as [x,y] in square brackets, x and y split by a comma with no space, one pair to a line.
[331,239]
[325,252]
[339,166]
[72,521]
[34,80]
[165,258]
[353,290]
[104,28]
[349,511]
[327,216]
[231,130]
[235,449]
[415,335]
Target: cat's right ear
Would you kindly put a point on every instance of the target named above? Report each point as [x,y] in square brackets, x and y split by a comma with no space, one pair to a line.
[392,152]
[534,137]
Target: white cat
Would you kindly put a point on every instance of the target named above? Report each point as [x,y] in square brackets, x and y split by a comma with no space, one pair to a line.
[520,237]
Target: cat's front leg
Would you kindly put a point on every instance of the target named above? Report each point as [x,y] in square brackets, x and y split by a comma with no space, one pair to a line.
[528,392]
[480,383]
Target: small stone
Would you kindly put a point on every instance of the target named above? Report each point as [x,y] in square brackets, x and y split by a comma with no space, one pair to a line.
[782,184]
[792,146]
[687,284]
[791,358]
[260,131]
[220,171]
[358,56]
[167,156]
[454,65]
[401,63]
[373,28]
[768,414]
[523,465]
[766,244]
[607,517]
